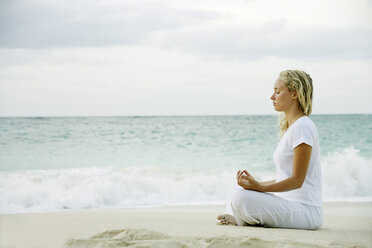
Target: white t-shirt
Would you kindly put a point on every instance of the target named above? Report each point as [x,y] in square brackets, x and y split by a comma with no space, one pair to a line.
[301,131]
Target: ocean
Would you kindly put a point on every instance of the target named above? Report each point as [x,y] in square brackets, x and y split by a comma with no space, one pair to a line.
[59,163]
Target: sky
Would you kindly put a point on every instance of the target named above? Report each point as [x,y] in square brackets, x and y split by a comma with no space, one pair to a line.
[180,57]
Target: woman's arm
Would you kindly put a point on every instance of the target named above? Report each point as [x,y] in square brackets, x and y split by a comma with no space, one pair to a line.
[302,154]
[268,182]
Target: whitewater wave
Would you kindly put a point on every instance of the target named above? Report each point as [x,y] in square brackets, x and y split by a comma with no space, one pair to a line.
[346,176]
[82,188]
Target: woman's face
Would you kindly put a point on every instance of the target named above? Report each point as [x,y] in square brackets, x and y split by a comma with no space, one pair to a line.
[282,97]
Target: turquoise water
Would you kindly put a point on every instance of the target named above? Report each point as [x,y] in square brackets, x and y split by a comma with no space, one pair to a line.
[91,162]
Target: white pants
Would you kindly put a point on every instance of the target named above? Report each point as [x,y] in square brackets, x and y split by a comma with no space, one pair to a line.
[256,208]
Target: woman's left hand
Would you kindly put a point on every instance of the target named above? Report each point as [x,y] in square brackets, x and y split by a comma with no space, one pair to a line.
[246,181]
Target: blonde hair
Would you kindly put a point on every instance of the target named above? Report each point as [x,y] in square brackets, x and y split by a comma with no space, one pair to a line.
[301,82]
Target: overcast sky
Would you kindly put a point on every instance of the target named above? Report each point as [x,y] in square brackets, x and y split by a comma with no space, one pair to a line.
[180,57]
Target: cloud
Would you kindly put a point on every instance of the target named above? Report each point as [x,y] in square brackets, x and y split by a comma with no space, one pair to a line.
[274,38]
[44,24]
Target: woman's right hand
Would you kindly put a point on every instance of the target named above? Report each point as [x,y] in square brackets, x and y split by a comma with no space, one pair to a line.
[246,181]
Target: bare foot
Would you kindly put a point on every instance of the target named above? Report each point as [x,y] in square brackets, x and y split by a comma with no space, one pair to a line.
[227,219]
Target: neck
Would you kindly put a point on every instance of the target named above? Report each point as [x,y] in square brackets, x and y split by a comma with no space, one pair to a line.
[292,115]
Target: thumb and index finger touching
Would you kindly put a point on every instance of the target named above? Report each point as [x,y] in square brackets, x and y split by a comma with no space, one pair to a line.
[241,172]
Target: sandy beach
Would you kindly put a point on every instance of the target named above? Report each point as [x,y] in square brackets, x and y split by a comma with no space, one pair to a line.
[345,225]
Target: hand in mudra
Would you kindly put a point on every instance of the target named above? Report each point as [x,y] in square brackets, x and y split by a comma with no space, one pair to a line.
[246,181]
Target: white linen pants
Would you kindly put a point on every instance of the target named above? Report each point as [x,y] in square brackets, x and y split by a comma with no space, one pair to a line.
[256,208]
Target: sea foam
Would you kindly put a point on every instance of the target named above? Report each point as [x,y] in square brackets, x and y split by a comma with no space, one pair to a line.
[44,190]
[345,177]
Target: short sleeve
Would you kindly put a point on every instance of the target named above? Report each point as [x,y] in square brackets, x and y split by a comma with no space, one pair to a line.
[302,134]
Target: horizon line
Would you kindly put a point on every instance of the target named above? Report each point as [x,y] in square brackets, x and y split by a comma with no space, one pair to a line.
[187,115]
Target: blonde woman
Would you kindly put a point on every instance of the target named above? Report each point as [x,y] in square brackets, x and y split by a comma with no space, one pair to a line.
[294,198]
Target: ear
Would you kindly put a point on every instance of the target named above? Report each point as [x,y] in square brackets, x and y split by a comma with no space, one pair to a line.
[294,95]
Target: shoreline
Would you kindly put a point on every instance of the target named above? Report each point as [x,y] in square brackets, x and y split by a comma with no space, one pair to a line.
[326,204]
[346,224]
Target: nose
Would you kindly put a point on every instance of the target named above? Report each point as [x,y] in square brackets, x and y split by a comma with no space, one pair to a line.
[272,97]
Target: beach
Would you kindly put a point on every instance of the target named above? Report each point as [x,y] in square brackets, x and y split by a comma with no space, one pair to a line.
[345,224]
[96,181]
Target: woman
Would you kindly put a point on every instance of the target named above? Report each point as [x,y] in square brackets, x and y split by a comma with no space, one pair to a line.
[295,200]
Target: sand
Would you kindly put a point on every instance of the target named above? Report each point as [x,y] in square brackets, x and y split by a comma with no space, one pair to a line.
[345,225]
